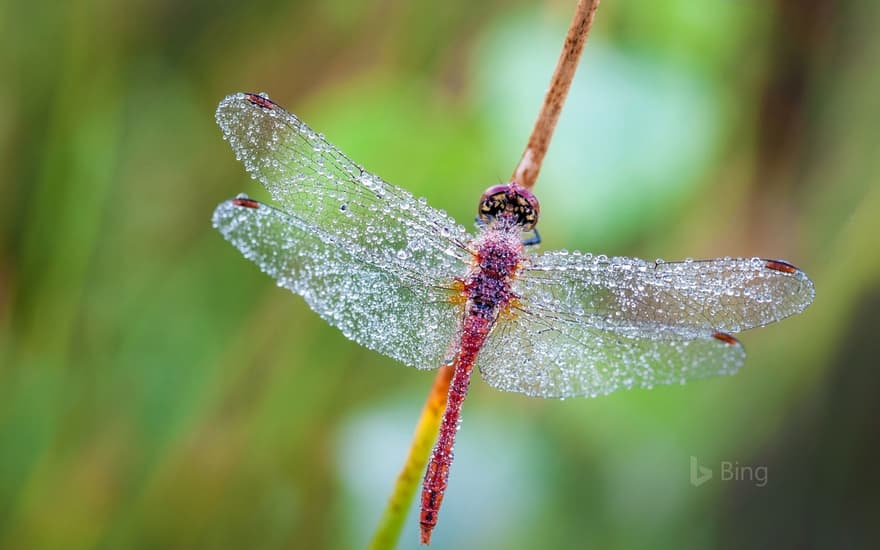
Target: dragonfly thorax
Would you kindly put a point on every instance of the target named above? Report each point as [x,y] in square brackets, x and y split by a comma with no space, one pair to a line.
[497,258]
[510,203]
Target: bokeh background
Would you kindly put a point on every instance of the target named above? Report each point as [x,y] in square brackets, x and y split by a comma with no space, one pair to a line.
[157,391]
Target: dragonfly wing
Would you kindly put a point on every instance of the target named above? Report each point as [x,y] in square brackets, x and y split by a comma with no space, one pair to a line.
[317,184]
[691,298]
[409,318]
[555,357]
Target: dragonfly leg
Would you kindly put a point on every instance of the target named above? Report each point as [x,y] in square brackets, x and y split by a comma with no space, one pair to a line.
[534,239]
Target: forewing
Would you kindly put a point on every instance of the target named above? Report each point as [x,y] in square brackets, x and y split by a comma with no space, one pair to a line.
[318,185]
[543,356]
[690,298]
[411,321]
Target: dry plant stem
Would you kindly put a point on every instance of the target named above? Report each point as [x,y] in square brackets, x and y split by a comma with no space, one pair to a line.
[413,469]
[526,172]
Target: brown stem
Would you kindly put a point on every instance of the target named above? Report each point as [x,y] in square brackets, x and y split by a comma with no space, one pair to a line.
[526,172]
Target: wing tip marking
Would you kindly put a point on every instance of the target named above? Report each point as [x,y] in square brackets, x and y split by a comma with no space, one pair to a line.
[726,338]
[260,101]
[245,202]
[779,265]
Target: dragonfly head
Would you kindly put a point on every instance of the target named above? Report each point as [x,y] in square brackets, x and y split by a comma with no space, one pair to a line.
[512,202]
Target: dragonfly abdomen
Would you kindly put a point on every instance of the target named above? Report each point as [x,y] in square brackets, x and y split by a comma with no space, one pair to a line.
[475,329]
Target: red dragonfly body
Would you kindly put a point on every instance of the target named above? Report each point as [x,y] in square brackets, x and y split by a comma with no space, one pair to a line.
[487,293]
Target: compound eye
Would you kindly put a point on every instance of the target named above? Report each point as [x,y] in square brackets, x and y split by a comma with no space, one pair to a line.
[510,201]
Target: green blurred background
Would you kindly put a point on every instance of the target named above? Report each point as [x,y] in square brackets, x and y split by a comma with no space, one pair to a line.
[157,391]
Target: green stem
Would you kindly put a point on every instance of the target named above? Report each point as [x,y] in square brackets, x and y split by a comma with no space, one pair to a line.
[391,523]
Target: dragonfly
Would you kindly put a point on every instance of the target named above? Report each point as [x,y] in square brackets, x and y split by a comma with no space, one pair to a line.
[405,280]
